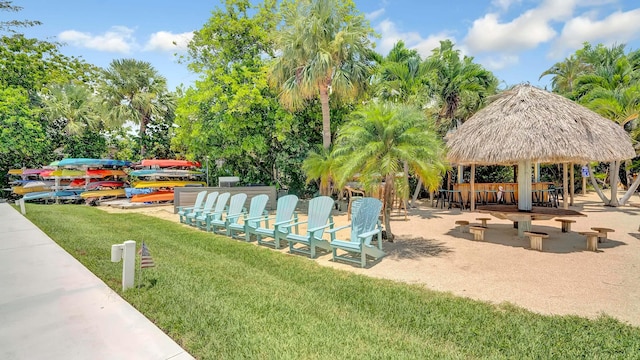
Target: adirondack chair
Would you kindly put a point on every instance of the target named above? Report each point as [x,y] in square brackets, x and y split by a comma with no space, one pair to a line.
[184,210]
[250,219]
[207,207]
[285,213]
[236,204]
[364,227]
[202,220]
[319,218]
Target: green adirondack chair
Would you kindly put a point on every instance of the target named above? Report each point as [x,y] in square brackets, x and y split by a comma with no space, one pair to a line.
[202,220]
[285,213]
[207,207]
[319,218]
[184,210]
[236,204]
[250,219]
[364,226]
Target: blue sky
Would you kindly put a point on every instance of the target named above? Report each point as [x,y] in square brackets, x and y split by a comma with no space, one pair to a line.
[516,39]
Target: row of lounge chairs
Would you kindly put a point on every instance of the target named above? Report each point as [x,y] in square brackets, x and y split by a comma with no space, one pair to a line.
[226,214]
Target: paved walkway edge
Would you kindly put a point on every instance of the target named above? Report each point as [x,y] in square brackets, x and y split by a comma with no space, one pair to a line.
[52,307]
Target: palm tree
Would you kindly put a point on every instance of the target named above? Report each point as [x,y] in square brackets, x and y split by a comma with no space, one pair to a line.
[134,91]
[402,76]
[321,165]
[73,105]
[565,74]
[379,139]
[324,49]
[456,81]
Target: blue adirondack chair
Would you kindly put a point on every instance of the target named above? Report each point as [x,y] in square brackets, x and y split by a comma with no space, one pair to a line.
[319,218]
[251,219]
[184,210]
[207,207]
[285,213]
[364,227]
[236,204]
[202,220]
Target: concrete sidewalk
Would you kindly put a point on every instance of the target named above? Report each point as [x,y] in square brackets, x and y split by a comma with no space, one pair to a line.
[52,307]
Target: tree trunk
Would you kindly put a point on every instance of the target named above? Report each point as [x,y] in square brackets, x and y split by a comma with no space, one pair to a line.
[416,193]
[143,134]
[388,203]
[596,187]
[326,120]
[614,168]
[632,188]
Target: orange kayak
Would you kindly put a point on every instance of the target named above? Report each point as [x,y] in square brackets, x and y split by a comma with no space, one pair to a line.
[153,197]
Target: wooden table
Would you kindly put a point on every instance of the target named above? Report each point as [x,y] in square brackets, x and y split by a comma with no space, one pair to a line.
[524,218]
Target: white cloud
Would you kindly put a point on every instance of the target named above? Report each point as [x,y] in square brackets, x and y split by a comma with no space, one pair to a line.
[499,62]
[527,31]
[118,39]
[618,27]
[390,35]
[165,41]
[375,14]
[504,5]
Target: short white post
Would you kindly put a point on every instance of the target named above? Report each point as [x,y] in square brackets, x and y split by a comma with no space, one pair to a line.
[23,210]
[127,253]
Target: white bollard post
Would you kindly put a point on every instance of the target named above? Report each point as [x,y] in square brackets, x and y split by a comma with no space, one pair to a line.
[127,253]
[129,264]
[23,210]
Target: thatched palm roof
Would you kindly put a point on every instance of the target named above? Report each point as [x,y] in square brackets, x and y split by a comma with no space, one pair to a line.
[527,123]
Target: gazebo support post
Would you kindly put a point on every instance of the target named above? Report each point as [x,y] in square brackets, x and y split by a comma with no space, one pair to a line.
[473,186]
[524,196]
[565,187]
[536,173]
[460,174]
[572,185]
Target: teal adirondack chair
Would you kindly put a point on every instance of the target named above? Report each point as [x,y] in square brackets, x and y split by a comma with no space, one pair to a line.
[236,204]
[207,207]
[285,213]
[319,218]
[364,226]
[202,220]
[250,219]
[184,210]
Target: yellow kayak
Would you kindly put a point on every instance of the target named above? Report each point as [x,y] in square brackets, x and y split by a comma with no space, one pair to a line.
[167,184]
[20,190]
[68,173]
[15,171]
[103,193]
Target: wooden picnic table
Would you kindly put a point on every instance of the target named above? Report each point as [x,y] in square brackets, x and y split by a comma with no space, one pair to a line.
[524,218]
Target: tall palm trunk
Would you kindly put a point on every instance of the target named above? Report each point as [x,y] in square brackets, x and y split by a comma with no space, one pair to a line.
[388,203]
[326,120]
[613,181]
[143,134]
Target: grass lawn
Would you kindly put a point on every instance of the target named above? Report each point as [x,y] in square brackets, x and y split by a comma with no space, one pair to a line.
[224,298]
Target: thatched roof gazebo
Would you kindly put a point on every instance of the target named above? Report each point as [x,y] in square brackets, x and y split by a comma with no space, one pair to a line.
[525,125]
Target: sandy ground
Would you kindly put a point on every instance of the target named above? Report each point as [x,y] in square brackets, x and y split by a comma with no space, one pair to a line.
[563,279]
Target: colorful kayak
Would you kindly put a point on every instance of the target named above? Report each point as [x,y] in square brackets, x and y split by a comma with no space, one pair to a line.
[165,173]
[93,162]
[21,190]
[100,173]
[167,184]
[153,197]
[103,193]
[37,183]
[169,163]
[105,184]
[15,172]
[38,195]
[66,173]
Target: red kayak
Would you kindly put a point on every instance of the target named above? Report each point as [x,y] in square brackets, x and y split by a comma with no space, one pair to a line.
[105,184]
[169,163]
[100,173]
